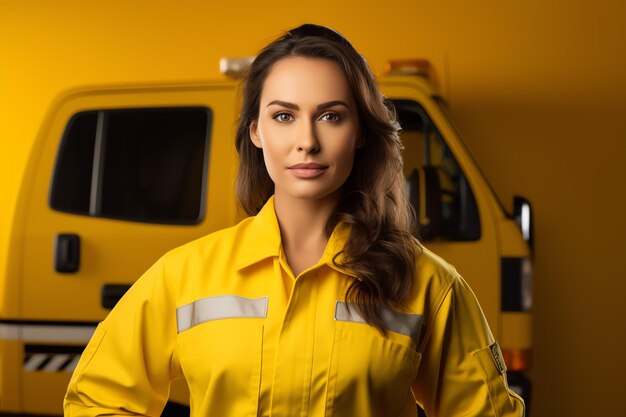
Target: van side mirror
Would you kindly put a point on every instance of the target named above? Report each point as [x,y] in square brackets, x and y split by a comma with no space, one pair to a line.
[424,194]
[523,215]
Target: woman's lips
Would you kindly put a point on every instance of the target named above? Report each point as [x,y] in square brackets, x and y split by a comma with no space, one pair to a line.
[307,170]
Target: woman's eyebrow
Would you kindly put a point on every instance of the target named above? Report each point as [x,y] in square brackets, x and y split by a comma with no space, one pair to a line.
[319,107]
[333,103]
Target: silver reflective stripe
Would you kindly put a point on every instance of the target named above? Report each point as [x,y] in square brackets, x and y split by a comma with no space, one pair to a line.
[403,323]
[219,307]
[9,332]
[41,333]
[46,333]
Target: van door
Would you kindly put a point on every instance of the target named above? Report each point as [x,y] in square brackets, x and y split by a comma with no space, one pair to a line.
[459,223]
[122,176]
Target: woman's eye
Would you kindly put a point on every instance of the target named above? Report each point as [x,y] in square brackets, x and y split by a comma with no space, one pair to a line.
[283,117]
[331,117]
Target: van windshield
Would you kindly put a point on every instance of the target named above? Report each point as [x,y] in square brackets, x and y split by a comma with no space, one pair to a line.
[436,185]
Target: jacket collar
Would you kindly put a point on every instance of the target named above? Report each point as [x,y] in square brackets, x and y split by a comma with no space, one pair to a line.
[261,240]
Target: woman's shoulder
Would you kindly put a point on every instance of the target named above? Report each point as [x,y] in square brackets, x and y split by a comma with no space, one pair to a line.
[430,264]
[222,240]
[434,276]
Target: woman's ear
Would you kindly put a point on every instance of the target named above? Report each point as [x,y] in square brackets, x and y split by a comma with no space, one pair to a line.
[254,134]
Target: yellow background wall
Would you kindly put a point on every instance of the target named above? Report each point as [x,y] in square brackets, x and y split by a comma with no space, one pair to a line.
[538,89]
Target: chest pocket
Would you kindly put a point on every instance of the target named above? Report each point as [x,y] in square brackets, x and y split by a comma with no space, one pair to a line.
[220,342]
[371,374]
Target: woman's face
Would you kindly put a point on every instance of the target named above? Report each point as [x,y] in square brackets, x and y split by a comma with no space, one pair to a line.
[308,128]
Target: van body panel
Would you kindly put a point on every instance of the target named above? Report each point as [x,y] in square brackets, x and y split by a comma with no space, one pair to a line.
[512,243]
[53,384]
[516,330]
[112,251]
[11,354]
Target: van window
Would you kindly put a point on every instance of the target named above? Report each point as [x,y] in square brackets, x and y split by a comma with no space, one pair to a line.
[145,165]
[424,146]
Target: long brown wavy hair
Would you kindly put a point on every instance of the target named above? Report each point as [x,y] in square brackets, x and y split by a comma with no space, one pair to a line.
[381,250]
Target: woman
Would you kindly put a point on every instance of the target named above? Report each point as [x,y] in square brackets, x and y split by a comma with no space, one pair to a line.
[322,303]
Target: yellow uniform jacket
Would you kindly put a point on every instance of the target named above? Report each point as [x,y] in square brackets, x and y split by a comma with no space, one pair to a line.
[226,313]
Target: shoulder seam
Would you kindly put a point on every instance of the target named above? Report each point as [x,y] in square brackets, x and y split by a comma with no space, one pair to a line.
[439,303]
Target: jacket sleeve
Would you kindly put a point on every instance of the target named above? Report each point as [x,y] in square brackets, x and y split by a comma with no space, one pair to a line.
[462,372]
[127,366]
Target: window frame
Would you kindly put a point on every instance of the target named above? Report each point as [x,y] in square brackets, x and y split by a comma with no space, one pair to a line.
[94,205]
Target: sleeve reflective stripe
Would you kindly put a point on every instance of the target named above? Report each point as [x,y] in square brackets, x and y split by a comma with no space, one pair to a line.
[403,323]
[219,307]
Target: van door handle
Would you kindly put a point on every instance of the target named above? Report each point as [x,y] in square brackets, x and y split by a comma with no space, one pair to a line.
[67,252]
[111,294]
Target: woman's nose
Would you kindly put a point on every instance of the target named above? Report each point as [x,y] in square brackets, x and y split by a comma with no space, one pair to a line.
[307,138]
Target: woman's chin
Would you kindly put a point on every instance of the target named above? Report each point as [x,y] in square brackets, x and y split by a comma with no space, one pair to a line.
[313,194]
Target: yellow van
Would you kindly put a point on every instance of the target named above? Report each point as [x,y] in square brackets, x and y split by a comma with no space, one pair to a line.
[119,175]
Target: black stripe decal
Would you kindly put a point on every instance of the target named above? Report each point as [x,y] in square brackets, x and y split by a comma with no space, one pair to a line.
[44,363]
[67,362]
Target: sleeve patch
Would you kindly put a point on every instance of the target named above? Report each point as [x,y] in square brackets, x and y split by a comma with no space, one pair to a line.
[498,359]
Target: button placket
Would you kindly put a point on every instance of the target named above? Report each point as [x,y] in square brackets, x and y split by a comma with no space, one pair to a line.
[288,371]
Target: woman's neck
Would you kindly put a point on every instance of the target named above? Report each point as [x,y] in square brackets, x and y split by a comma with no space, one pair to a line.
[302,225]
